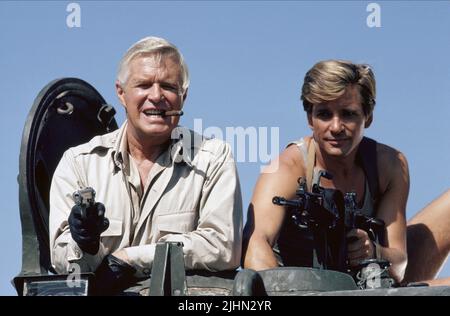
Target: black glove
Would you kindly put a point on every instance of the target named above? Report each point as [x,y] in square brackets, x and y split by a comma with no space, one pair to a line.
[86,224]
[112,276]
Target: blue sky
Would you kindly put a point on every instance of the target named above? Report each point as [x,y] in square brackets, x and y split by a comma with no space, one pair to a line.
[247,61]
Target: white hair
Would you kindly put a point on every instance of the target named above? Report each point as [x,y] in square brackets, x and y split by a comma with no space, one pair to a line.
[153,46]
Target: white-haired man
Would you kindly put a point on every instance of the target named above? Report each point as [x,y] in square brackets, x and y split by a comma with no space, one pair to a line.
[155,181]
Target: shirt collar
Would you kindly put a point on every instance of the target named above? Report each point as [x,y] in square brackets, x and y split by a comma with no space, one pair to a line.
[120,150]
[180,149]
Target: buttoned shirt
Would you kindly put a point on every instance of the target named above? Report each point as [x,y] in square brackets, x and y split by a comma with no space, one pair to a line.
[192,195]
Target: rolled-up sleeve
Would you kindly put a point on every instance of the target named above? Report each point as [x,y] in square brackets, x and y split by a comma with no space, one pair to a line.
[216,242]
[64,251]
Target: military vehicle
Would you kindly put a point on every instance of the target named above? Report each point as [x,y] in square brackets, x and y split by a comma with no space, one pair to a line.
[75,107]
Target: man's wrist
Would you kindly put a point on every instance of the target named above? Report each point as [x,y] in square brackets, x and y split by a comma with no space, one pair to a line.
[90,248]
[86,261]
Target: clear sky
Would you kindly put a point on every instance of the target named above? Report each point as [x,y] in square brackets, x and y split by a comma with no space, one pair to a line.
[247,62]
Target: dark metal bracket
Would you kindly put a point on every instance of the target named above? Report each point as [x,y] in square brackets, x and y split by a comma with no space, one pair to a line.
[168,276]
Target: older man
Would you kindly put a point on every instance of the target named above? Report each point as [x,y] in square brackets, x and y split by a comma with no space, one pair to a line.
[154,181]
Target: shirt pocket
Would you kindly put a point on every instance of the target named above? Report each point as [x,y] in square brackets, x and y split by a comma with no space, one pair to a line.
[176,222]
[115,228]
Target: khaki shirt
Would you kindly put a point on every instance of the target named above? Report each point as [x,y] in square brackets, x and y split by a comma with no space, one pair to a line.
[192,195]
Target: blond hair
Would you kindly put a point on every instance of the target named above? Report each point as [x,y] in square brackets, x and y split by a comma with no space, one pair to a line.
[327,80]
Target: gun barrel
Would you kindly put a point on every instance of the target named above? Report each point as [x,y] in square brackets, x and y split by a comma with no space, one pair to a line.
[278,200]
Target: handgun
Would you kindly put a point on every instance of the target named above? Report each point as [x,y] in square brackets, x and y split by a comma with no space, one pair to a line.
[84,197]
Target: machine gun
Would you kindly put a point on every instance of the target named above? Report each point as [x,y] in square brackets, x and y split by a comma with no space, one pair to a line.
[368,270]
[322,212]
[354,218]
[330,215]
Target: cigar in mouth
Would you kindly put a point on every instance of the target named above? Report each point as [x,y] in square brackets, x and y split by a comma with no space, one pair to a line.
[173,113]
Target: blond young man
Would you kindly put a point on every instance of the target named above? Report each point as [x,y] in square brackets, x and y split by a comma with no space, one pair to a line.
[339,98]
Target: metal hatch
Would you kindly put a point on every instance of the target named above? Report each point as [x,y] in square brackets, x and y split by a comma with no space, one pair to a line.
[67,112]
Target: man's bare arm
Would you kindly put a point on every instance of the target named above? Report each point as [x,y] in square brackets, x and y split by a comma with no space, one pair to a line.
[392,208]
[429,240]
[264,218]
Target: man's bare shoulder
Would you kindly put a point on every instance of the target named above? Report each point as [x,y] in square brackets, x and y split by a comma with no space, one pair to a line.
[290,156]
[389,155]
[291,160]
[293,154]
[282,174]
[391,163]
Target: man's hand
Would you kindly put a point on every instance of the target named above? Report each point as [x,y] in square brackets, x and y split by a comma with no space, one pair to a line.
[360,247]
[86,224]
